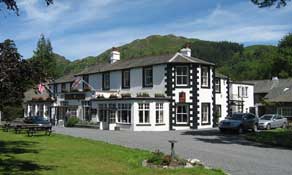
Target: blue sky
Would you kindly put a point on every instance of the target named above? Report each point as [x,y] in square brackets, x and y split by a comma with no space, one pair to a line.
[77,30]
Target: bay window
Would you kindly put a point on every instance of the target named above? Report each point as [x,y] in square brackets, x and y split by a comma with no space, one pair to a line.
[144,113]
[124,113]
[159,113]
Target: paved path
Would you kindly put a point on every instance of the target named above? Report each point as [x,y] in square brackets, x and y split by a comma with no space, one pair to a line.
[230,152]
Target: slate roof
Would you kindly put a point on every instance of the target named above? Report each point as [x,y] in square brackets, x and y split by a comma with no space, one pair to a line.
[218,75]
[276,90]
[64,79]
[31,94]
[141,62]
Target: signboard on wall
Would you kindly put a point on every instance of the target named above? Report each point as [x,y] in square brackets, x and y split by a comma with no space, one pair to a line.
[74,96]
[182,97]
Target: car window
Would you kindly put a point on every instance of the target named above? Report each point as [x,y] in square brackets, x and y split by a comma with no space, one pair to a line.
[279,117]
[250,116]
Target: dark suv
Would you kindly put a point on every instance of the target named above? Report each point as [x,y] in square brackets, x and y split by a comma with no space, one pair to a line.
[239,122]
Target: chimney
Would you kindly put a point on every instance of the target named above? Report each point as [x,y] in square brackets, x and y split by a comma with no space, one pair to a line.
[115,55]
[186,50]
[275,82]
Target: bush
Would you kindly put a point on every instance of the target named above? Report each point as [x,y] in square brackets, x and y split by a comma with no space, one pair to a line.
[72,121]
[10,113]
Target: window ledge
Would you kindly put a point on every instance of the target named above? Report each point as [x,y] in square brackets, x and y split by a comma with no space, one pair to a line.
[160,124]
[123,123]
[143,124]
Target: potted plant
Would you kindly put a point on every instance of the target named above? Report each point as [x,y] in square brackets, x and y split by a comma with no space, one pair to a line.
[126,95]
[143,94]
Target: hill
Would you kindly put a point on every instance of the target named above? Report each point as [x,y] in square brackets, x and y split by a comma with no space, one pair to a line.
[231,58]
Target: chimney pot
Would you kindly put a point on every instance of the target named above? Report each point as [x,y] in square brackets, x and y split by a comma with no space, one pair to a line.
[186,50]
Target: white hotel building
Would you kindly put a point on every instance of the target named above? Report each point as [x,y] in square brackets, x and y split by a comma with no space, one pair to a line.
[156,93]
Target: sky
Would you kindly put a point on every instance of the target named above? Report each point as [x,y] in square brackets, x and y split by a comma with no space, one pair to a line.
[78,29]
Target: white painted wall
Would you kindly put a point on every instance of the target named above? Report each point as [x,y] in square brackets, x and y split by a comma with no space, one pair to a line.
[221,98]
[248,101]
[205,96]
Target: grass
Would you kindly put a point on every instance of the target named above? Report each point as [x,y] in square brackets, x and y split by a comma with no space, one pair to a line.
[278,137]
[59,154]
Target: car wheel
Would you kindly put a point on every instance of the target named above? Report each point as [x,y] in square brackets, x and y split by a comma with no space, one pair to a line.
[240,130]
[268,126]
[255,128]
[284,125]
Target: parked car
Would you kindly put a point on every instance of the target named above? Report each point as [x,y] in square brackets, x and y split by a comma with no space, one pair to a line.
[239,122]
[269,121]
[40,120]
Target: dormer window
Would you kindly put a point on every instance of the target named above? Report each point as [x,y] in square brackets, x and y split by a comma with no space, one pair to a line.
[205,77]
[106,81]
[182,75]
[147,77]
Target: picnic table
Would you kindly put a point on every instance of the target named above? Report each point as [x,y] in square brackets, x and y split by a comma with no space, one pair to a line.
[31,129]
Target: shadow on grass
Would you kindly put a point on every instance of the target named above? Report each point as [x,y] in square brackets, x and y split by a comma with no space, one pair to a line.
[216,137]
[9,164]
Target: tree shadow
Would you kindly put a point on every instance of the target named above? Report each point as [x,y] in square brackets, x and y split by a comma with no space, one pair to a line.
[216,137]
[9,164]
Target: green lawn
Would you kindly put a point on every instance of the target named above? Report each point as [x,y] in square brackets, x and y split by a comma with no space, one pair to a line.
[278,137]
[59,154]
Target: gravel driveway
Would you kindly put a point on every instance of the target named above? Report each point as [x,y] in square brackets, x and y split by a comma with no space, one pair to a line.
[229,152]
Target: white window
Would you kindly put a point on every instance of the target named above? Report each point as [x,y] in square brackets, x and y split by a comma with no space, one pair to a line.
[205,113]
[147,77]
[124,113]
[217,85]
[144,112]
[242,91]
[182,75]
[159,113]
[182,113]
[205,76]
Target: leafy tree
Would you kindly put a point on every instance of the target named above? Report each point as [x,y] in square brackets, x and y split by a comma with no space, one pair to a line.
[12,5]
[45,58]
[16,75]
[269,3]
[283,65]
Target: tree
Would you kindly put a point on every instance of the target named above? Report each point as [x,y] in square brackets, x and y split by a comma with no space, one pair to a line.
[269,3]
[16,76]
[45,58]
[12,5]
[283,64]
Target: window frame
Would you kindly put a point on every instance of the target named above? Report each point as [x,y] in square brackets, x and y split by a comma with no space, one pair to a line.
[181,76]
[208,76]
[104,76]
[159,113]
[121,108]
[124,86]
[218,85]
[187,113]
[208,105]
[85,78]
[144,76]
[144,109]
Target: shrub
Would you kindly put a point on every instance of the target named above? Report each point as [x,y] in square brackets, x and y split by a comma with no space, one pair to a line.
[144,94]
[156,158]
[100,96]
[72,121]
[113,96]
[126,95]
[159,95]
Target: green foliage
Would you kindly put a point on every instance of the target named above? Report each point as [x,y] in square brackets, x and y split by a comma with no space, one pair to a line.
[16,75]
[12,112]
[45,57]
[72,121]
